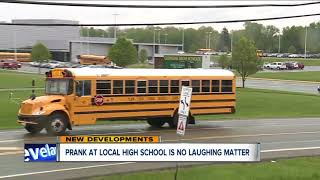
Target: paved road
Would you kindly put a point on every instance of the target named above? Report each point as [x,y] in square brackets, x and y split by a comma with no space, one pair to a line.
[283,85]
[278,138]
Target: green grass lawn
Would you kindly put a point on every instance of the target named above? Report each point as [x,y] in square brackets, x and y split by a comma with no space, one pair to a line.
[12,79]
[9,110]
[300,76]
[306,62]
[251,103]
[254,103]
[286,169]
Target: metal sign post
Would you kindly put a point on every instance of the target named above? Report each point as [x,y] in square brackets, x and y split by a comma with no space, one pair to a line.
[183,112]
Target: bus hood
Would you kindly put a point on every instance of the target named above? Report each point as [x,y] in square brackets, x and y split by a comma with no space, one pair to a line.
[31,105]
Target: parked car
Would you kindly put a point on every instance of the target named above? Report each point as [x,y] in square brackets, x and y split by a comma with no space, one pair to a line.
[34,64]
[298,65]
[10,64]
[293,56]
[289,65]
[266,65]
[278,66]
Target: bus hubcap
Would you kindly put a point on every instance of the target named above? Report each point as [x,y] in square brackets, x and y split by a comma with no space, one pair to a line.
[57,125]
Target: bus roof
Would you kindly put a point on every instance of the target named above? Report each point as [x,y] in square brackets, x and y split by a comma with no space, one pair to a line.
[148,72]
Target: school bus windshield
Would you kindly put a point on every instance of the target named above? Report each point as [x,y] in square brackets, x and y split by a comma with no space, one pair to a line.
[59,86]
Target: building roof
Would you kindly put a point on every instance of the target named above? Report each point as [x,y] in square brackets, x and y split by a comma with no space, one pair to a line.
[98,72]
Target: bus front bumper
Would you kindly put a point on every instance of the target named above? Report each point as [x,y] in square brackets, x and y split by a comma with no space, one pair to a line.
[31,119]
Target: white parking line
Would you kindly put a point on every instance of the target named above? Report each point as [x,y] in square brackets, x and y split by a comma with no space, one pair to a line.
[66,169]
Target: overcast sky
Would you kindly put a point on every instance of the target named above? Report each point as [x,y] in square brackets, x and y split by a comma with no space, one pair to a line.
[104,15]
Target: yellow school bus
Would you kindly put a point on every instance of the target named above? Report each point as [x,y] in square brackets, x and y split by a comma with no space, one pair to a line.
[80,96]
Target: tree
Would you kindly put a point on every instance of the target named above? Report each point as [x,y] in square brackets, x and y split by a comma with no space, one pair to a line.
[40,53]
[224,41]
[223,61]
[244,58]
[123,52]
[292,49]
[143,55]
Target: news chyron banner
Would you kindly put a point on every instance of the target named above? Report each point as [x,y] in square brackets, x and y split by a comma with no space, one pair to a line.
[138,149]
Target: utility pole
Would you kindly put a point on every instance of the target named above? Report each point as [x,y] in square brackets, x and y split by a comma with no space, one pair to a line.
[115,26]
[231,41]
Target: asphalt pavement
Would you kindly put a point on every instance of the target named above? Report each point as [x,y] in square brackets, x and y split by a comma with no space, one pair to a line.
[279,138]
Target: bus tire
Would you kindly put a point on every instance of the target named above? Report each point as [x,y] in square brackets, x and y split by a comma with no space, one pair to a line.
[157,123]
[33,128]
[173,122]
[57,124]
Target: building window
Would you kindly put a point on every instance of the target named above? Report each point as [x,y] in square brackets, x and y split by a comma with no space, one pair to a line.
[195,86]
[174,86]
[103,87]
[226,85]
[215,85]
[142,87]
[130,86]
[118,87]
[164,86]
[83,88]
[153,86]
[205,85]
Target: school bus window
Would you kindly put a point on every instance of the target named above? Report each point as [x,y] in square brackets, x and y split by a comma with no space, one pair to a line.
[118,87]
[226,85]
[59,86]
[205,85]
[164,85]
[142,87]
[83,88]
[185,83]
[103,87]
[195,86]
[174,86]
[130,86]
[215,86]
[153,86]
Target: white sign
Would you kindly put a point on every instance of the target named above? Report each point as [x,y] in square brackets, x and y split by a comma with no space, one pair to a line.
[159,152]
[181,126]
[185,101]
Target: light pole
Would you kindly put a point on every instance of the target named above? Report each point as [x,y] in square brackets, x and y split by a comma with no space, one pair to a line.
[207,33]
[115,26]
[209,39]
[183,39]
[279,35]
[15,43]
[165,38]
[305,43]
[159,35]
[88,39]
[231,42]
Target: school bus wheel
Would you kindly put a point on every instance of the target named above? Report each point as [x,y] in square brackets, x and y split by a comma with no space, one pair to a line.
[156,122]
[33,128]
[57,124]
[173,122]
